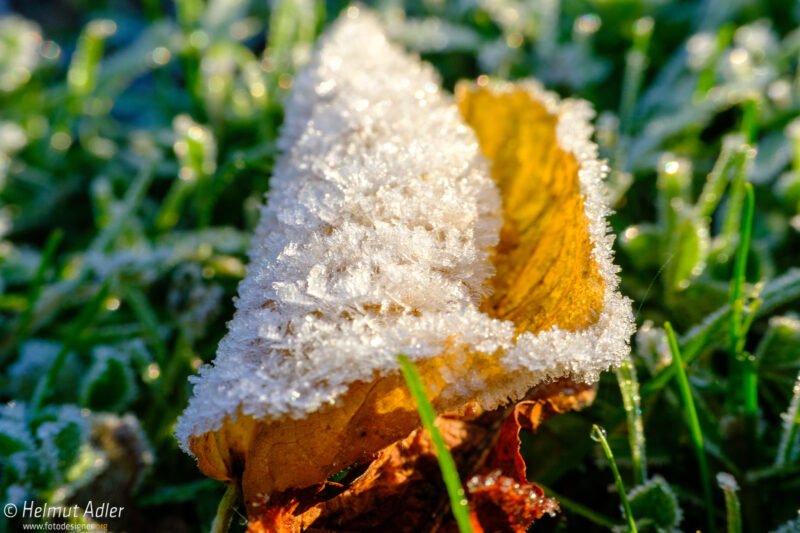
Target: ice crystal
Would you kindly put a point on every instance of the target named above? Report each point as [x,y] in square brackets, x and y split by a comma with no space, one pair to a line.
[727,482]
[376,240]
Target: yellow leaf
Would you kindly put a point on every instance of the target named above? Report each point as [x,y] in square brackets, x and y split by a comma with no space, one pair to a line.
[545,273]
[546,276]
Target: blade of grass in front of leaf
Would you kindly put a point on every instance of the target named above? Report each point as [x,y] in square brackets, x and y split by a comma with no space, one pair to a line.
[693,421]
[693,343]
[452,481]
[599,435]
[733,509]
[631,400]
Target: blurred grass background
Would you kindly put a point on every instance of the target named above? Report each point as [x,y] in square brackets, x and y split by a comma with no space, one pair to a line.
[136,143]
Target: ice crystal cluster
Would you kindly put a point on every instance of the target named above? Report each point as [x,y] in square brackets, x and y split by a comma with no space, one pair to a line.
[377,239]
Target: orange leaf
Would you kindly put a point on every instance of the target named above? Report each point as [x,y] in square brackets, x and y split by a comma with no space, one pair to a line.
[502,503]
[400,491]
[318,403]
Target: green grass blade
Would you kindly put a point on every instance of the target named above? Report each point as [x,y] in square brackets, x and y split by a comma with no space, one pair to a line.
[87,315]
[148,318]
[635,66]
[85,64]
[631,400]
[707,77]
[750,116]
[732,220]
[134,197]
[693,343]
[455,490]
[693,421]
[736,333]
[731,158]
[733,509]
[599,435]
[743,365]
[35,288]
[777,293]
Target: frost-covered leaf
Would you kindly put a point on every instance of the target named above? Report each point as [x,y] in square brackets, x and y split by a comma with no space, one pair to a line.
[655,503]
[493,277]
[60,440]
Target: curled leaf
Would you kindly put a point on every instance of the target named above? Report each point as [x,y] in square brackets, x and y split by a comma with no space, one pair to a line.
[387,231]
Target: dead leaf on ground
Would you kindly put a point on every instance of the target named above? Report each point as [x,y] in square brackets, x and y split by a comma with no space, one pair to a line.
[401,490]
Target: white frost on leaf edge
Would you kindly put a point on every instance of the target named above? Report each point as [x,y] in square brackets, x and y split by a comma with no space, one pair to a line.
[376,240]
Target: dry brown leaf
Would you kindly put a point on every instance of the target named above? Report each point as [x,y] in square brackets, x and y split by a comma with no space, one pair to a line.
[401,490]
[501,496]
[500,503]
